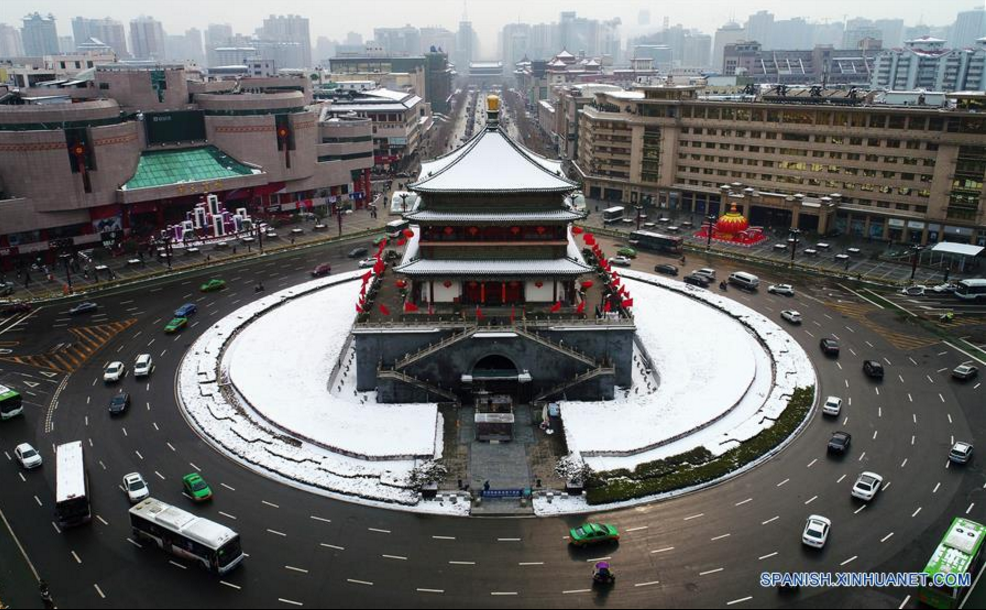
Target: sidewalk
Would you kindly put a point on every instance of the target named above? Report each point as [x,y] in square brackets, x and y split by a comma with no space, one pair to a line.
[129,267]
[866,264]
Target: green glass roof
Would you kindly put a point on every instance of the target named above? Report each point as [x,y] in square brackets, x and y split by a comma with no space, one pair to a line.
[167,167]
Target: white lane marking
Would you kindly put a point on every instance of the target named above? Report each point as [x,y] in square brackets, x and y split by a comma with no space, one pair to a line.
[276,533]
[887,537]
[767,556]
[294,569]
[395,557]
[334,547]
[443,537]
[719,537]
[290,602]
[461,563]
[850,560]
[227,515]
[230,585]
[714,571]
[664,550]
[915,513]
[771,520]
[689,518]
[99,591]
[810,500]
[646,584]
[355,581]
[742,502]
[379,531]
[740,600]
[419,590]
[322,519]
[76,557]
[271,504]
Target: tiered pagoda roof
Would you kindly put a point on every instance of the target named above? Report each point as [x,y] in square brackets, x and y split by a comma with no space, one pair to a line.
[490,162]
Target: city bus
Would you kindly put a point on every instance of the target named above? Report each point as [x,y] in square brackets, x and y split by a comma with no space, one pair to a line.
[396,227]
[971,290]
[207,543]
[10,403]
[960,552]
[71,485]
[646,240]
[613,214]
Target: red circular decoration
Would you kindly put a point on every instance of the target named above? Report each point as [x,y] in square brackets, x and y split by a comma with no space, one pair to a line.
[282,132]
[473,231]
[540,230]
[515,230]
[448,230]
[539,283]
[447,283]
[79,151]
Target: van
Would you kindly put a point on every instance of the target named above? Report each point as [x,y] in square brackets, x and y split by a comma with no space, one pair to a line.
[744,280]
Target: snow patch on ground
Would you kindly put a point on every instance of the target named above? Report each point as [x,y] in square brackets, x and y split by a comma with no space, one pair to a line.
[726,373]
[292,364]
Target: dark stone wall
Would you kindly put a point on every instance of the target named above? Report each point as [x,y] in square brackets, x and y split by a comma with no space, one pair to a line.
[547,366]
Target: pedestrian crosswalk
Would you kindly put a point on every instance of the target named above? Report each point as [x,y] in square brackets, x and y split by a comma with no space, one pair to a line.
[69,356]
[902,340]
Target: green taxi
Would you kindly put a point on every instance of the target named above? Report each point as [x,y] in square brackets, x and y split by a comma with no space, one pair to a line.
[195,486]
[175,325]
[627,252]
[593,533]
[212,285]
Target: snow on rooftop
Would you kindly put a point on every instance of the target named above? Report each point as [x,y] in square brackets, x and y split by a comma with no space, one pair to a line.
[491,162]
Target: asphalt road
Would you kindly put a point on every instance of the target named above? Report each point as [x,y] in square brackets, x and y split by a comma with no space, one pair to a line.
[705,549]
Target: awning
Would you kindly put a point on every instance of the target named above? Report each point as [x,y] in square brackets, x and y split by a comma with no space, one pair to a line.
[948,247]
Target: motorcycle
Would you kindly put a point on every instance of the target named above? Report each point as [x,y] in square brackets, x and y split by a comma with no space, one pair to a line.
[723,286]
[603,575]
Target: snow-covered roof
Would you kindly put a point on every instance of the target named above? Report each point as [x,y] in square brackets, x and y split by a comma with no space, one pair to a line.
[492,162]
[476,268]
[559,215]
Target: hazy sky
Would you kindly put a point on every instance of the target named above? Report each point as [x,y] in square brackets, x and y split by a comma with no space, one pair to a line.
[333,18]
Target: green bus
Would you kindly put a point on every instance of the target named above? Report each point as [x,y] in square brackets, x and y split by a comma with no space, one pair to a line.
[960,552]
[10,403]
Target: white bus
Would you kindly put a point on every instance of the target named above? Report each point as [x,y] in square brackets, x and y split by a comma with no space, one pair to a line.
[71,485]
[971,290]
[613,214]
[212,545]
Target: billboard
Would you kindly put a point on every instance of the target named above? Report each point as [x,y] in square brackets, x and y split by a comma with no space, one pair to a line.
[174,126]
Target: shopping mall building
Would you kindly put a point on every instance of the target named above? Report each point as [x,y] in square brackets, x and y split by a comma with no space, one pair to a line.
[131,149]
[818,160]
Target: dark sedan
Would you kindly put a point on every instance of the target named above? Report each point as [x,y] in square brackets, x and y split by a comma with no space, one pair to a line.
[119,403]
[873,369]
[666,269]
[839,443]
[830,346]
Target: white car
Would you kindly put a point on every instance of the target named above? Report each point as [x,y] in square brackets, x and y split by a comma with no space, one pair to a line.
[115,371]
[960,453]
[786,290]
[866,486]
[28,456]
[143,366]
[791,316]
[707,272]
[832,406]
[816,531]
[367,262]
[136,487]
[622,261]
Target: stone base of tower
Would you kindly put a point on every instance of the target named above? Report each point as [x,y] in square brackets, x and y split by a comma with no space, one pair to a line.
[531,362]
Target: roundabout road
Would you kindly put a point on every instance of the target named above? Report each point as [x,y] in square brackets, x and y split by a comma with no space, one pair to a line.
[705,549]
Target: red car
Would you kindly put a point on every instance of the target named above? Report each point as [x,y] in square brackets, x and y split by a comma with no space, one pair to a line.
[15,309]
[323,269]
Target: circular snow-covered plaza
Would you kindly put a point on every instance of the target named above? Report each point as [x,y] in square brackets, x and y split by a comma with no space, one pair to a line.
[273,386]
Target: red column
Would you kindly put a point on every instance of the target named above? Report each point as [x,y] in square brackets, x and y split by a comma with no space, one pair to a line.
[482,293]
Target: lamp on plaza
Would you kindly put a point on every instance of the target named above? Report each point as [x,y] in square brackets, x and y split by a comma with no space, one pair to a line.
[795,235]
[404,197]
[915,254]
[639,207]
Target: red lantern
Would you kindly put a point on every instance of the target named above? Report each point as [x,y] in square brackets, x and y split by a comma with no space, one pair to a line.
[448,230]
[540,230]
[556,307]
[410,307]
[587,284]
[447,283]
[408,233]
[539,283]
[576,230]
[401,283]
[515,230]
[401,241]
[473,231]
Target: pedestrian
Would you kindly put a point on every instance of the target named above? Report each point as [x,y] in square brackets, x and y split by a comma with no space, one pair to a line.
[234,249]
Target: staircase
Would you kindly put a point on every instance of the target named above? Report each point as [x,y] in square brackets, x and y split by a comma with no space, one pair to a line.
[558,347]
[571,383]
[418,383]
[434,347]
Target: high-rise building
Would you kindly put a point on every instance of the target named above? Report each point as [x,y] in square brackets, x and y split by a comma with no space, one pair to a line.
[147,38]
[515,43]
[759,28]
[926,63]
[39,35]
[398,41]
[730,33]
[108,31]
[969,27]
[465,46]
[186,47]
[66,44]
[288,29]
[10,41]
[440,38]
[216,35]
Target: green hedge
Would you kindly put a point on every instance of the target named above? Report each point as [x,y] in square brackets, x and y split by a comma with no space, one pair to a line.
[698,465]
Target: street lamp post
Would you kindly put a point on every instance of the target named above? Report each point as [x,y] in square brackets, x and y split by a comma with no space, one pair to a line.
[640,214]
[795,234]
[711,218]
[915,253]
[65,256]
[404,203]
